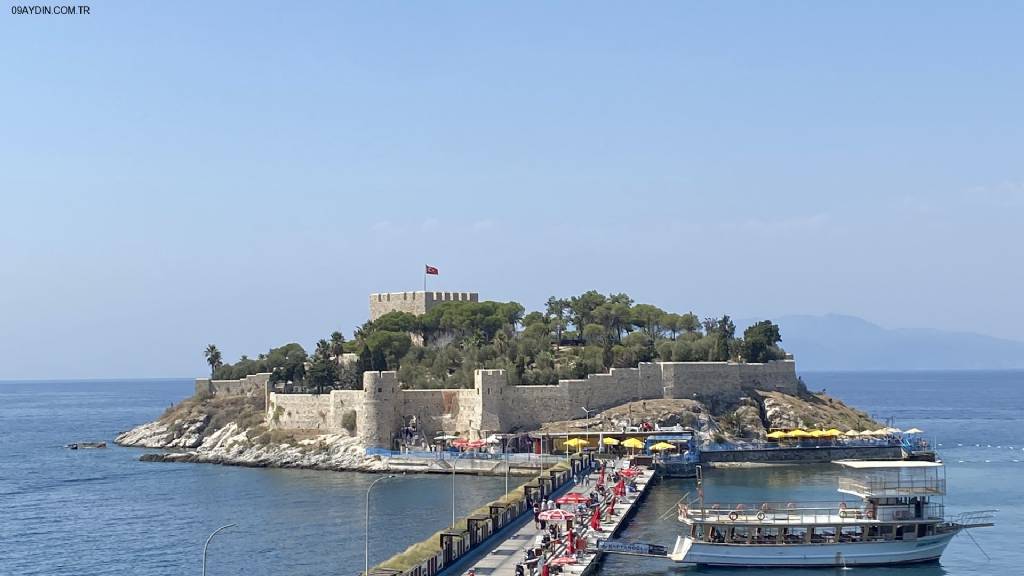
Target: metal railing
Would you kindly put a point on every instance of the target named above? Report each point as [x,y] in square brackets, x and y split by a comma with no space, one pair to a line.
[894,486]
[810,443]
[801,513]
[515,458]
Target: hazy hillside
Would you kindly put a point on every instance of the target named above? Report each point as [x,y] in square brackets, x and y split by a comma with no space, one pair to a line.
[836,342]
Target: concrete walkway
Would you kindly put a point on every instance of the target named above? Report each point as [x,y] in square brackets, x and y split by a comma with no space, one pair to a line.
[502,560]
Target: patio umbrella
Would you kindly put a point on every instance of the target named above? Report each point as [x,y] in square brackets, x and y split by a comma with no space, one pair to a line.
[913,431]
[573,498]
[595,519]
[493,439]
[555,515]
[611,505]
[833,432]
[798,433]
[633,443]
[476,444]
[628,472]
[619,488]
[817,433]
[852,433]
[458,442]
[563,560]
[892,430]
[776,434]
[866,433]
[610,442]
[663,446]
[445,437]
[570,542]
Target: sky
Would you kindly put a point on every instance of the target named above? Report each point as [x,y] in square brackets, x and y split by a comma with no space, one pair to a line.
[176,174]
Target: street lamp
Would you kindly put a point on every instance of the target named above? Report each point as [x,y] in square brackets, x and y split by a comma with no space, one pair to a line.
[454,462]
[505,453]
[366,549]
[207,545]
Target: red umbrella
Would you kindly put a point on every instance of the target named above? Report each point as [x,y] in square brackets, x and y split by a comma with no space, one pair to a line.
[573,498]
[476,444]
[570,541]
[459,442]
[562,561]
[595,519]
[601,479]
[628,472]
[611,507]
[556,515]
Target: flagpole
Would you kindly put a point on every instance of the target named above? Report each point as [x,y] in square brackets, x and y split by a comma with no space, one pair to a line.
[424,280]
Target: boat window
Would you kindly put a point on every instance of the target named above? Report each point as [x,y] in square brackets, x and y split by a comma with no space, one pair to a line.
[768,535]
[851,534]
[796,535]
[740,535]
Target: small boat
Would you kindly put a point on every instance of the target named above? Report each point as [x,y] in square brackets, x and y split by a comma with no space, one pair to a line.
[898,517]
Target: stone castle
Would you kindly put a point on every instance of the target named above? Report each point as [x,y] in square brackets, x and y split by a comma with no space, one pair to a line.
[378,412]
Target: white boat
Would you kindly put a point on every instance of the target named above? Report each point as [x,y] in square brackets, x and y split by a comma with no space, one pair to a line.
[896,518]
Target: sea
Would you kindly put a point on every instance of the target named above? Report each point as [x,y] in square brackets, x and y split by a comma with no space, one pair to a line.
[99,512]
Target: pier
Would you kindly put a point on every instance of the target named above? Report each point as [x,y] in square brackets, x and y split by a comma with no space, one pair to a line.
[503,558]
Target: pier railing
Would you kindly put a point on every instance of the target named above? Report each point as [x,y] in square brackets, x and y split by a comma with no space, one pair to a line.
[812,443]
[512,457]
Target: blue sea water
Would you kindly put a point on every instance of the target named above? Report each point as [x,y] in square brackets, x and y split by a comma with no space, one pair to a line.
[103,512]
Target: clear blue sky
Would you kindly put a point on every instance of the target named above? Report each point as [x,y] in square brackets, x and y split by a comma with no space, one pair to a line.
[179,173]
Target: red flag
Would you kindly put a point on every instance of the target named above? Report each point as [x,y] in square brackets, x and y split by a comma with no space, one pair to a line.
[431,270]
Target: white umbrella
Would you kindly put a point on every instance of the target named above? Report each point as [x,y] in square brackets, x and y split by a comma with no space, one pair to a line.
[493,439]
[445,437]
[914,431]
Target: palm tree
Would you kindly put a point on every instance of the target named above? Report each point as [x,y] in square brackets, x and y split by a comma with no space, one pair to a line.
[213,358]
[337,344]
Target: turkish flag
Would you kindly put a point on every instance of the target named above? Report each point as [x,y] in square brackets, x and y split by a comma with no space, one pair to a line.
[431,270]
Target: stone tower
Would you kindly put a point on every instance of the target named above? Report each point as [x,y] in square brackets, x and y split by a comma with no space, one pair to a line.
[379,414]
[417,303]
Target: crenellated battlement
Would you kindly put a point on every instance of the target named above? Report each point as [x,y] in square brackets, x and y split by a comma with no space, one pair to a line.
[418,302]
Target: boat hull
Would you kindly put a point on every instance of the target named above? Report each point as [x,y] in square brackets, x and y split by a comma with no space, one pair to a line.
[926,549]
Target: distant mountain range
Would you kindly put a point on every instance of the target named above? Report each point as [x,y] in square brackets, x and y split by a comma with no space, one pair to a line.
[837,342]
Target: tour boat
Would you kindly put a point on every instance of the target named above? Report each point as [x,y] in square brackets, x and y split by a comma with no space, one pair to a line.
[897,518]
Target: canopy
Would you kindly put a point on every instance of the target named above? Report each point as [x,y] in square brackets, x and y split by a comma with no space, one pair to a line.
[777,434]
[798,433]
[573,498]
[555,515]
[574,442]
[610,442]
[633,443]
[663,446]
[913,431]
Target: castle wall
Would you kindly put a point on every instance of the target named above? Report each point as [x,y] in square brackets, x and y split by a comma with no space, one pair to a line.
[252,385]
[492,405]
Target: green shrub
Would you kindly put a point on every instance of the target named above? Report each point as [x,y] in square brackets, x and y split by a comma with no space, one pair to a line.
[348,420]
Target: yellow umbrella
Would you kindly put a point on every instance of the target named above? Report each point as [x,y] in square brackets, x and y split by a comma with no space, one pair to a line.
[852,433]
[633,443]
[833,432]
[777,434]
[798,433]
[610,442]
[817,433]
[867,433]
[663,446]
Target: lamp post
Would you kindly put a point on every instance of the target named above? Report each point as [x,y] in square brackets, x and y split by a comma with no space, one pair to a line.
[207,545]
[366,548]
[454,462]
[505,453]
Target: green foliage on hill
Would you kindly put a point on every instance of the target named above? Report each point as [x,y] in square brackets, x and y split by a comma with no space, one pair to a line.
[570,338]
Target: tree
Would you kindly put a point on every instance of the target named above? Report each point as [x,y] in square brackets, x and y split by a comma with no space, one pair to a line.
[649,318]
[582,308]
[337,344]
[555,310]
[322,372]
[759,342]
[213,358]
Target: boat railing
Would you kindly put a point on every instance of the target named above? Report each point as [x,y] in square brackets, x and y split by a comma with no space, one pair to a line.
[973,519]
[809,512]
[894,486]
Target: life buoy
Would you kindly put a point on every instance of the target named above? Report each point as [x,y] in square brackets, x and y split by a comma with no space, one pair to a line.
[760,515]
[733,516]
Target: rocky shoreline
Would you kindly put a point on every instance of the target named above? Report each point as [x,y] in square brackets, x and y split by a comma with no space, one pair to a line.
[192,439]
